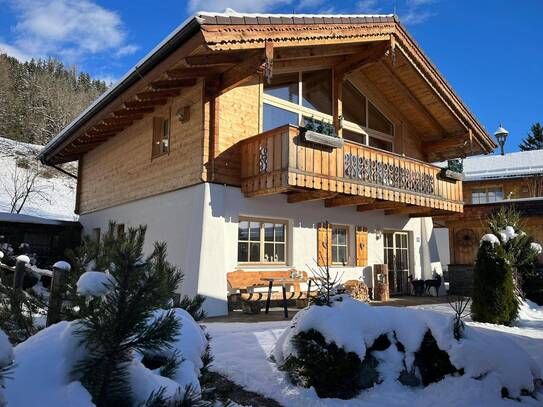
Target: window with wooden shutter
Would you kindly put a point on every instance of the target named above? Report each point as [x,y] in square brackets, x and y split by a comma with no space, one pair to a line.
[361,238]
[324,244]
[161,136]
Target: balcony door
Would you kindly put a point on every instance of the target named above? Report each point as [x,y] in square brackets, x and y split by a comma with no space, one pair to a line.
[396,246]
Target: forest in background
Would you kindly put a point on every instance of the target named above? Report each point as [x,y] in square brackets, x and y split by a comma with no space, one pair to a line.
[38,98]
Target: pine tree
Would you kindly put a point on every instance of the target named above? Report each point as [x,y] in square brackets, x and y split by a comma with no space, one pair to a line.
[534,140]
[518,250]
[494,299]
[115,325]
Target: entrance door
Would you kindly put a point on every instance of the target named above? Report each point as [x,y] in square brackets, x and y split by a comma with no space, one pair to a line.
[397,258]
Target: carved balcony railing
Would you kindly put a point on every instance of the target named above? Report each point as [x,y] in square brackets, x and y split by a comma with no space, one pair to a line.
[280,160]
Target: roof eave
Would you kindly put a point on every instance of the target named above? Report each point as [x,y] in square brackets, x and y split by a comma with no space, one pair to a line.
[186,30]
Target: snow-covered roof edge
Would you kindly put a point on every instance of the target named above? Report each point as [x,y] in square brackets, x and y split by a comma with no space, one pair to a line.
[511,165]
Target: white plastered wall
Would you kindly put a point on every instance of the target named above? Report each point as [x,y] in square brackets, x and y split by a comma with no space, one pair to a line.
[200,224]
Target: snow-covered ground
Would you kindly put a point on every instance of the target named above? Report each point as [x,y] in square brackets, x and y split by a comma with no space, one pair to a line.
[241,353]
[58,200]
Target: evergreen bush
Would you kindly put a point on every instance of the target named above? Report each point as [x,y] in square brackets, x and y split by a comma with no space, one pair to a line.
[331,370]
[494,298]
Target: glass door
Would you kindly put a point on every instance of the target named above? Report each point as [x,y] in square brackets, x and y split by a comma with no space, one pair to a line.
[396,246]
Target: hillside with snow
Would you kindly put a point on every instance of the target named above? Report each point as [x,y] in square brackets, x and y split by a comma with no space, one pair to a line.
[56,199]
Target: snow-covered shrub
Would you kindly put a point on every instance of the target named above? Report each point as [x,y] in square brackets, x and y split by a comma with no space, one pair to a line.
[331,370]
[494,299]
[43,374]
[6,363]
[414,347]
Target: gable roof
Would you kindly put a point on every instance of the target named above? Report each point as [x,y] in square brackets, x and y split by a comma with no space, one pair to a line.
[231,31]
[512,165]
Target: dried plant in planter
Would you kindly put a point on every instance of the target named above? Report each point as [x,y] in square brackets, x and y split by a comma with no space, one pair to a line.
[459,305]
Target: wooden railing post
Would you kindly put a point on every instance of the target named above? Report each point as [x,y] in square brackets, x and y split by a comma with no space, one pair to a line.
[58,286]
[18,279]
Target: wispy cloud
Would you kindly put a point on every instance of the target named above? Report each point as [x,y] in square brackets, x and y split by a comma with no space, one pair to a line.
[70,29]
[246,6]
[368,7]
[417,11]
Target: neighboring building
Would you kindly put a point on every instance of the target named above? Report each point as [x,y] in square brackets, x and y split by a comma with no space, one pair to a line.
[47,238]
[202,142]
[511,180]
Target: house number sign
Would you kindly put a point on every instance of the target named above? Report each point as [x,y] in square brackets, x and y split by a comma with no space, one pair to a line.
[361,168]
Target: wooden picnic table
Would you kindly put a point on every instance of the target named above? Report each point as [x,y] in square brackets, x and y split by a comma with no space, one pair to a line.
[283,282]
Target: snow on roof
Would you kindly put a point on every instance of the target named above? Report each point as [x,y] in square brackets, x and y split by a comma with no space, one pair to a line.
[233,13]
[511,165]
[20,218]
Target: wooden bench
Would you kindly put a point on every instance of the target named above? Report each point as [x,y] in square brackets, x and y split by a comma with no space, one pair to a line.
[245,282]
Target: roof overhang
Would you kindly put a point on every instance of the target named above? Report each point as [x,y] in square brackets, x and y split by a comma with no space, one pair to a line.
[246,40]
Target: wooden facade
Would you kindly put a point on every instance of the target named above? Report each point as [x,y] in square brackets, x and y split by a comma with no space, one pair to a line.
[217,74]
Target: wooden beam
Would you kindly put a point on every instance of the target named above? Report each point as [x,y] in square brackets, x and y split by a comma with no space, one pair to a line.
[431,213]
[406,210]
[130,112]
[125,120]
[157,94]
[317,51]
[172,83]
[107,128]
[241,72]
[405,90]
[305,196]
[447,143]
[134,104]
[194,72]
[95,133]
[219,58]
[379,205]
[373,53]
[347,200]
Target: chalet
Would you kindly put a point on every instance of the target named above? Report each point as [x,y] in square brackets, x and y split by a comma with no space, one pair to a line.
[491,182]
[275,142]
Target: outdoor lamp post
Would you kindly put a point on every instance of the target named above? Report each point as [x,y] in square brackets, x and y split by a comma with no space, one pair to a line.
[501,136]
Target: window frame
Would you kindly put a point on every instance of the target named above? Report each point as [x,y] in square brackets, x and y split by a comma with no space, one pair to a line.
[485,190]
[159,139]
[302,111]
[262,241]
[346,228]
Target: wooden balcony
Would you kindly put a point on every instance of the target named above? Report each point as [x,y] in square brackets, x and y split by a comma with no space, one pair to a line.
[281,161]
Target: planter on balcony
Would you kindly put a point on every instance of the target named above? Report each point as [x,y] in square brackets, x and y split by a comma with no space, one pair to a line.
[445,173]
[323,139]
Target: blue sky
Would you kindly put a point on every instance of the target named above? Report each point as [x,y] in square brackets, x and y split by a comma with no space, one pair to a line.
[490,51]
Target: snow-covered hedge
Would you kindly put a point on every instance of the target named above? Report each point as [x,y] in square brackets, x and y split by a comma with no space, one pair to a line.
[397,339]
[44,363]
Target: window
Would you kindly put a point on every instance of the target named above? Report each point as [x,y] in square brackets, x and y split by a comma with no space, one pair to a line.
[354,104]
[354,136]
[261,241]
[340,245]
[284,86]
[275,117]
[379,143]
[289,96]
[161,136]
[95,235]
[120,229]
[486,195]
[317,90]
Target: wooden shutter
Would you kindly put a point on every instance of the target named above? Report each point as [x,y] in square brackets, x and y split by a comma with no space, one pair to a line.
[361,247]
[324,242]
[158,128]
